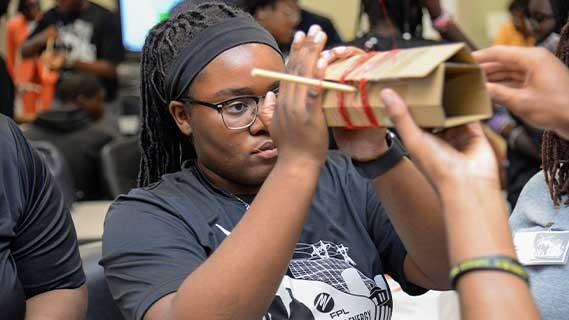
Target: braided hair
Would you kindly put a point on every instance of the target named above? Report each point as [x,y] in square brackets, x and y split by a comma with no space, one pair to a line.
[555,151]
[164,147]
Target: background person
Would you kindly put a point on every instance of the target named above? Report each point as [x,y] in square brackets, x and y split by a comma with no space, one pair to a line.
[71,127]
[87,39]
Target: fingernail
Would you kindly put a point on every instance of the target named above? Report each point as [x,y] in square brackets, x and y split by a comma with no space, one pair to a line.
[388,99]
[340,50]
[270,97]
[321,64]
[320,36]
[313,30]
[298,36]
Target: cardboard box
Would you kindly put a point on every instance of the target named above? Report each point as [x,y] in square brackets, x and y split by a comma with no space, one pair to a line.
[442,85]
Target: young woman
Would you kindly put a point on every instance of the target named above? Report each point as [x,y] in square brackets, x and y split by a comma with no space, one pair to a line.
[241,211]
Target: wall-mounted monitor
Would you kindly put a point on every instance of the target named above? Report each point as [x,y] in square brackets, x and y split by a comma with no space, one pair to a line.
[138,16]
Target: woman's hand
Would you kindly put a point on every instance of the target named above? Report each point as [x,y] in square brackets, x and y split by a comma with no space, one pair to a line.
[297,124]
[531,82]
[360,144]
[458,157]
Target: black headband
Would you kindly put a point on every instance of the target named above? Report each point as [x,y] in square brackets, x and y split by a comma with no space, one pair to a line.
[207,45]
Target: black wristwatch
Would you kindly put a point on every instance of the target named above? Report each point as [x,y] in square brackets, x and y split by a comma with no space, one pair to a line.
[375,168]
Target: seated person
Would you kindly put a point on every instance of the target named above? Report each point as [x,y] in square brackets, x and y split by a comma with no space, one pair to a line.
[545,20]
[86,38]
[399,24]
[264,221]
[282,17]
[40,269]
[70,126]
[515,32]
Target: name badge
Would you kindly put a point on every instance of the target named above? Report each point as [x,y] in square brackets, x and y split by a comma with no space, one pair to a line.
[542,247]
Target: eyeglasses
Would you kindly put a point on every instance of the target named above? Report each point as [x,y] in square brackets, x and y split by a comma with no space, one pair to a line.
[236,113]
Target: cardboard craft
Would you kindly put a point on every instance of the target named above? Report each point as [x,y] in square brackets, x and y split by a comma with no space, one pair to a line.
[442,85]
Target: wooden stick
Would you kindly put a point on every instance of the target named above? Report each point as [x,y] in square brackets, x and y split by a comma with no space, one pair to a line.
[47,54]
[256,72]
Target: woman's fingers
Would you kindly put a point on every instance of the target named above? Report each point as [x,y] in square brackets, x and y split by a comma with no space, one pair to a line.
[507,56]
[287,89]
[504,95]
[305,64]
[399,114]
[340,53]
[267,109]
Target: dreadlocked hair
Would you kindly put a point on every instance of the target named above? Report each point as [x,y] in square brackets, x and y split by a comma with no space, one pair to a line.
[164,147]
[555,151]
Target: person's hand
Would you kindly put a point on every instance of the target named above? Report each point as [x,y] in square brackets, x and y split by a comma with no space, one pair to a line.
[54,61]
[295,120]
[360,144]
[456,157]
[531,82]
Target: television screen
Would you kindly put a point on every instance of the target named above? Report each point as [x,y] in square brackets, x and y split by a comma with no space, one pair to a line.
[138,16]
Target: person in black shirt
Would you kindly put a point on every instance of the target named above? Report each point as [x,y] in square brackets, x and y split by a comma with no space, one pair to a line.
[241,212]
[308,18]
[282,17]
[40,268]
[87,39]
[399,24]
[70,127]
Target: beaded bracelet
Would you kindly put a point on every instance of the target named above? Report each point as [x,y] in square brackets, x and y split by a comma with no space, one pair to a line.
[494,263]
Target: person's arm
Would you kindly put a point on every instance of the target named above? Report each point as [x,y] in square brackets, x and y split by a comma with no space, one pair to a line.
[418,223]
[448,29]
[231,283]
[110,51]
[531,82]
[11,50]
[36,43]
[58,304]
[461,166]
[101,68]
[46,235]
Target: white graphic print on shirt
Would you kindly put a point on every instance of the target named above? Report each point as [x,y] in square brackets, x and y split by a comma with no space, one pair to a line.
[75,39]
[324,284]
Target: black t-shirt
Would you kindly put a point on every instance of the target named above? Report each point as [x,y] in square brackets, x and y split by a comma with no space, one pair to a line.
[80,141]
[38,244]
[156,236]
[92,34]
[406,16]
